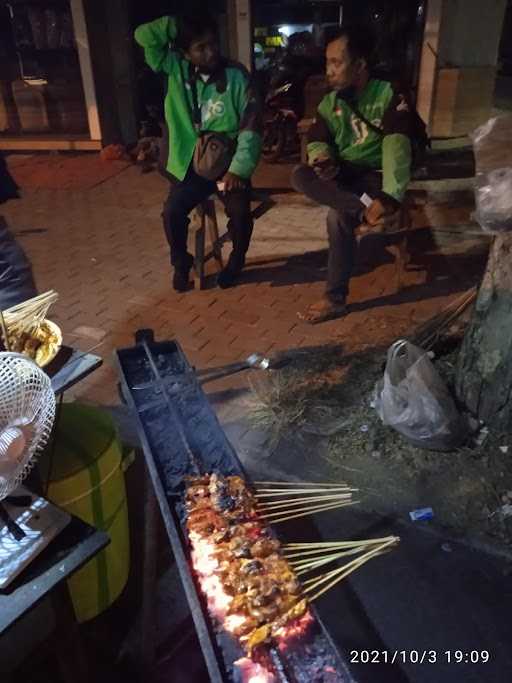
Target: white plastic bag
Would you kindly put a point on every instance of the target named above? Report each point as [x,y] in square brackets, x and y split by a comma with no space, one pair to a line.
[413,399]
[493,196]
[493,183]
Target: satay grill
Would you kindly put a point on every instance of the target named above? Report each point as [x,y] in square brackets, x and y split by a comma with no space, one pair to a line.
[181,438]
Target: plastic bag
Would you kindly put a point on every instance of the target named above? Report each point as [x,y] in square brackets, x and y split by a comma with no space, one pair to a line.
[413,399]
[493,196]
[493,184]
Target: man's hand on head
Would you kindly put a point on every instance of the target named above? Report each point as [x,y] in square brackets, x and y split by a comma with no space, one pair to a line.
[233,182]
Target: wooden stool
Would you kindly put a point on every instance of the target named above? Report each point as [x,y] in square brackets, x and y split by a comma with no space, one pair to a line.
[205,218]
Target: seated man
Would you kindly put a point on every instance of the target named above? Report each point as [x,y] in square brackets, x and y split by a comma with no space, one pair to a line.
[358,145]
[204,93]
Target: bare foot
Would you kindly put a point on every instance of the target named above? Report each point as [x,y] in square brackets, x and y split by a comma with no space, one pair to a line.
[323,310]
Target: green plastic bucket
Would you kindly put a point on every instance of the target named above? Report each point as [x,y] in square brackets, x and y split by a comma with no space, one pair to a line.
[86,479]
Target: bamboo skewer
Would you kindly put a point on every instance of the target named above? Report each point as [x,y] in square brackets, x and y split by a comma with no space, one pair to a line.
[279,505]
[49,296]
[317,585]
[319,547]
[349,547]
[283,501]
[24,317]
[4,332]
[348,569]
[331,553]
[264,493]
[306,554]
[310,508]
[303,513]
[300,501]
[307,567]
[297,483]
[32,306]
[311,561]
[315,581]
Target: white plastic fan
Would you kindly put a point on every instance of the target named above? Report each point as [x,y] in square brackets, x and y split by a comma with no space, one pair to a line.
[27,412]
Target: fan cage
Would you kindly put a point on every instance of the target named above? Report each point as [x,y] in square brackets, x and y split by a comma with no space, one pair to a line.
[27,401]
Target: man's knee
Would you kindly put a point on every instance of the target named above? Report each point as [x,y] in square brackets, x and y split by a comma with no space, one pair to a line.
[300,177]
[177,208]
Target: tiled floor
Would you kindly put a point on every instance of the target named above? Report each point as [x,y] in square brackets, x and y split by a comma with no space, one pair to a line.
[104,251]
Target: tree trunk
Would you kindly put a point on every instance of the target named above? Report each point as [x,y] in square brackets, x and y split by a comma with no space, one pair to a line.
[484,372]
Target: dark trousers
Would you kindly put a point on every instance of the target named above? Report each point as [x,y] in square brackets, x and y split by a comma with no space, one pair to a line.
[342,197]
[187,194]
[16,279]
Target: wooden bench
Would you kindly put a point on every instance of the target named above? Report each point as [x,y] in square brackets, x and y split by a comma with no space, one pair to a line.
[397,241]
[398,235]
[303,127]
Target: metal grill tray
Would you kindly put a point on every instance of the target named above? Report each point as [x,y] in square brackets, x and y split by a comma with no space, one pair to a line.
[180,436]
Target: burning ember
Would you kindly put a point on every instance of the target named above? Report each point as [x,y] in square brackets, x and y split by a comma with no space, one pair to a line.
[206,565]
[295,629]
[252,672]
[250,588]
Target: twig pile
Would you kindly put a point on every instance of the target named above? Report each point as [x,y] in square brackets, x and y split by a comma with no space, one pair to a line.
[429,333]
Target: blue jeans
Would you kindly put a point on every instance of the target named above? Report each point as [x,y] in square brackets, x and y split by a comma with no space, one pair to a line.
[342,197]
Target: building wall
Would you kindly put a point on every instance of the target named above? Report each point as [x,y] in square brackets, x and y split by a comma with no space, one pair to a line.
[110,39]
[458,69]
[428,63]
[471,32]
[240,31]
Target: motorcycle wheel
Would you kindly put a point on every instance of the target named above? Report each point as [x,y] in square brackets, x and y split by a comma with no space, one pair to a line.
[274,140]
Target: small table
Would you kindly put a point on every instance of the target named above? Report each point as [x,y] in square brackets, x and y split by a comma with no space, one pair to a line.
[69,367]
[68,552]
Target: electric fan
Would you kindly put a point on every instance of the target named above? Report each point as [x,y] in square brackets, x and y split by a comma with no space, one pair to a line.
[27,412]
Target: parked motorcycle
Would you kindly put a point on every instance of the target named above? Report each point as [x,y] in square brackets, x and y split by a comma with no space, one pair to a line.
[280,124]
[284,103]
